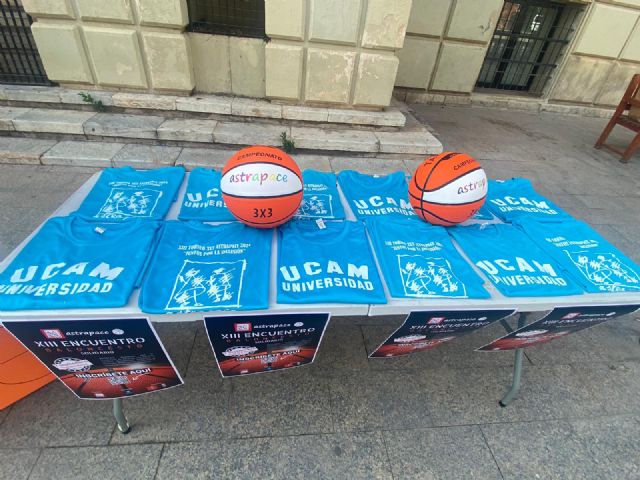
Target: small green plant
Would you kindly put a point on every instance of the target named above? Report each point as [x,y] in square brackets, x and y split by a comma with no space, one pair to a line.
[97,105]
[288,145]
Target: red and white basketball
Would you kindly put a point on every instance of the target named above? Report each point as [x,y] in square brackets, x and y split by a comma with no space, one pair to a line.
[448,189]
[262,186]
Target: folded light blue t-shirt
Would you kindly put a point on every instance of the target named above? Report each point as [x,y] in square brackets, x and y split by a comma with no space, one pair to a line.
[595,263]
[333,264]
[200,267]
[124,194]
[203,198]
[376,195]
[321,198]
[514,199]
[75,263]
[419,260]
[512,262]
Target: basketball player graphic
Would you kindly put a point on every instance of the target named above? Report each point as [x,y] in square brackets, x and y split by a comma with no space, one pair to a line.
[606,271]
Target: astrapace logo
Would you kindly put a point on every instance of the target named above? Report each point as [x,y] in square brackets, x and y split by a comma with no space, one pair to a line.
[52,333]
[242,327]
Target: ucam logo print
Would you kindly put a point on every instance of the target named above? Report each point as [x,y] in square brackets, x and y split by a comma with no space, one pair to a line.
[605,270]
[379,205]
[428,277]
[211,198]
[128,202]
[207,285]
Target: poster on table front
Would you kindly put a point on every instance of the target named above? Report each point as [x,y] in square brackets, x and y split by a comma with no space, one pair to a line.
[250,344]
[426,330]
[100,359]
[558,323]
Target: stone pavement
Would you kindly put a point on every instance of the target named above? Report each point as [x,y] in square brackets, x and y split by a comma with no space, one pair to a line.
[430,415]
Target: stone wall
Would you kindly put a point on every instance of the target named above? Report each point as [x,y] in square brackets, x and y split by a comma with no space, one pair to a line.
[335,52]
[446,44]
[124,44]
[223,64]
[604,55]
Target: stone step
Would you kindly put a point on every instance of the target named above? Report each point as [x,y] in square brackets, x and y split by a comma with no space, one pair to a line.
[212,104]
[87,153]
[414,139]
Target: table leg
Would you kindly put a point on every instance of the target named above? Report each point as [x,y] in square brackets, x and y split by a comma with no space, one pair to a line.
[517,369]
[123,424]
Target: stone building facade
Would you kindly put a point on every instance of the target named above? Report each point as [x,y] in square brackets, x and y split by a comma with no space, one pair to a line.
[338,52]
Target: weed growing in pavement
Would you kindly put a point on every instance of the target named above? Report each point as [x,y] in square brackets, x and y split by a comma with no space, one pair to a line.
[288,144]
[97,105]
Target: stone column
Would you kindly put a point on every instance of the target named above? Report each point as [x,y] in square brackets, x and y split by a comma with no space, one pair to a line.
[119,44]
[334,52]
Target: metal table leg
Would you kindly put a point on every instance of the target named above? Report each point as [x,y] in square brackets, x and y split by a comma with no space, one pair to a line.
[123,424]
[517,368]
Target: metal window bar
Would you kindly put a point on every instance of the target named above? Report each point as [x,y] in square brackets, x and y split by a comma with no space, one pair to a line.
[19,59]
[527,44]
[239,18]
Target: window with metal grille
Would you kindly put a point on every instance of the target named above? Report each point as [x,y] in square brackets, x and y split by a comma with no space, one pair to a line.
[239,18]
[19,59]
[527,44]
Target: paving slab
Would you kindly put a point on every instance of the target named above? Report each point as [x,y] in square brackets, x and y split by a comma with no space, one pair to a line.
[251,107]
[284,405]
[469,396]
[373,166]
[121,125]
[241,133]
[187,130]
[315,162]
[85,154]
[613,444]
[205,104]
[353,456]
[342,351]
[178,338]
[309,114]
[204,157]
[330,139]
[5,412]
[67,422]
[8,114]
[16,464]
[377,400]
[228,459]
[417,143]
[202,362]
[197,410]
[47,120]
[141,100]
[610,388]
[21,93]
[23,150]
[540,450]
[146,156]
[113,462]
[434,453]
[392,118]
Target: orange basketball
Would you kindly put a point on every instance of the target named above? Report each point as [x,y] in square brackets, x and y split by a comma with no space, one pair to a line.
[262,186]
[448,189]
